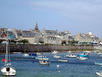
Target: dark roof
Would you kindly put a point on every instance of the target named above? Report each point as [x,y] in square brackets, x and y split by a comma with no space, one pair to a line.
[28,34]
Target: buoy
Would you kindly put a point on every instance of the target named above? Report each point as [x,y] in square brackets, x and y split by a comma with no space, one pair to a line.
[9,60]
[4,60]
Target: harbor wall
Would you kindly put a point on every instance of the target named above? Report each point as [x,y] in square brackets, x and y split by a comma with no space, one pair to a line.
[43,48]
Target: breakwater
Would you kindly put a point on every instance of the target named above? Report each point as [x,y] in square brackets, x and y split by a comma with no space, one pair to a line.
[43,48]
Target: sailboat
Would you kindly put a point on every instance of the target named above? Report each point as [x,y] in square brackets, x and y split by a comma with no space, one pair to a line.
[7,69]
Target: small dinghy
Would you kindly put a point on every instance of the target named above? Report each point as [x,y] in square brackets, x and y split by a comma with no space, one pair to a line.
[26,55]
[62,60]
[71,56]
[82,58]
[43,62]
[41,58]
[56,56]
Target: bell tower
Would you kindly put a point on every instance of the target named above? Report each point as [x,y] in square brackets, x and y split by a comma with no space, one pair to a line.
[36,27]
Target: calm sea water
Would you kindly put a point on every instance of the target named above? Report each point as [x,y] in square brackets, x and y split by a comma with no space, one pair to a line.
[28,67]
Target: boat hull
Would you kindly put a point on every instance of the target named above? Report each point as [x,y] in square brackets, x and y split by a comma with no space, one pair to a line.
[82,58]
[8,71]
[44,62]
[71,56]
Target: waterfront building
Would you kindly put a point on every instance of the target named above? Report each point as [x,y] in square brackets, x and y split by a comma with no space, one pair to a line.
[36,36]
[17,33]
[66,35]
[3,33]
[36,28]
[6,32]
[30,36]
[51,37]
[89,38]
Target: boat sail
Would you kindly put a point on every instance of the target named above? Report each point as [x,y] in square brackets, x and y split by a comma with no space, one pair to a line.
[7,69]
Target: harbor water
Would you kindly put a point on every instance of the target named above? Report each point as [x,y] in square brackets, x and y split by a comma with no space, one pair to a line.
[29,67]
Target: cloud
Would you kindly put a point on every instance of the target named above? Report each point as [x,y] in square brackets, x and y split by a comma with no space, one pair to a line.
[74,8]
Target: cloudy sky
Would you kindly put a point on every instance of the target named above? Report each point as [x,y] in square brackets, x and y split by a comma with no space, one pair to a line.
[73,15]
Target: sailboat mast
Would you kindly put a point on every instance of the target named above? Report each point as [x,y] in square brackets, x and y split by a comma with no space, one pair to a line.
[6,55]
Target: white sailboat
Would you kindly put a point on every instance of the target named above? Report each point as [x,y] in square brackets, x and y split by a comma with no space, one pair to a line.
[7,69]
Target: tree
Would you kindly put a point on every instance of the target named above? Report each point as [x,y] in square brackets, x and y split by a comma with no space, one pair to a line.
[63,42]
[41,41]
[1,40]
[12,41]
[24,41]
[73,42]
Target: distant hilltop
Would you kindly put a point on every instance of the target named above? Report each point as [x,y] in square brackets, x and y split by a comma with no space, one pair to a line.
[55,37]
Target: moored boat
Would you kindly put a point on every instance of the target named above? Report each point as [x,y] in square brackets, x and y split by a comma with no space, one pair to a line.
[62,60]
[7,69]
[71,56]
[56,56]
[41,58]
[54,52]
[43,62]
[99,73]
[82,58]
[25,55]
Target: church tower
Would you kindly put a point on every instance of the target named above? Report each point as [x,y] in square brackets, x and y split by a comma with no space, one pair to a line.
[36,27]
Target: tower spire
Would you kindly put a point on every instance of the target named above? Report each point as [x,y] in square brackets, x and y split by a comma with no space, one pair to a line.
[36,26]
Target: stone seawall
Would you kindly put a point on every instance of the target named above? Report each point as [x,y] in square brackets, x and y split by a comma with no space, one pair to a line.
[42,48]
